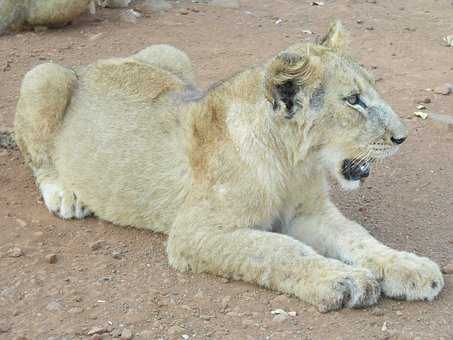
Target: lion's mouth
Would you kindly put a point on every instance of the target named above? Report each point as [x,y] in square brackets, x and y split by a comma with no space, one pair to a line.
[355,171]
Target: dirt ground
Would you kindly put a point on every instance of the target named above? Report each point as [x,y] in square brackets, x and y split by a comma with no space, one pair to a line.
[123,282]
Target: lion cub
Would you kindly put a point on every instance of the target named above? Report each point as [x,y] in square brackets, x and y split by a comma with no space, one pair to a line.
[132,141]
[16,15]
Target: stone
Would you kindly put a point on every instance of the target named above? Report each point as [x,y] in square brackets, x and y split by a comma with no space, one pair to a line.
[51,258]
[292,314]
[448,269]
[280,317]
[15,252]
[225,3]
[443,89]
[97,330]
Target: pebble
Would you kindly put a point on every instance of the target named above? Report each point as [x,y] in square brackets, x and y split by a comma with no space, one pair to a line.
[384,327]
[15,252]
[126,334]
[97,330]
[448,269]
[443,89]
[117,255]
[399,313]
[280,317]
[97,245]
[185,336]
[51,258]
[293,314]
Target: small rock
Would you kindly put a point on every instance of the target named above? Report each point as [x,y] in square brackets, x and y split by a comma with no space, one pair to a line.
[185,336]
[97,330]
[421,114]
[117,254]
[448,269]
[443,90]
[205,317]
[278,311]
[317,3]
[51,258]
[184,12]
[126,334]
[225,3]
[280,317]
[384,327]
[15,252]
[369,28]
[399,313]
[421,107]
[97,245]
[449,40]
[292,314]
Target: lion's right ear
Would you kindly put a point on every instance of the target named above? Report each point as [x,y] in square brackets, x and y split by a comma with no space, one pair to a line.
[285,77]
[337,37]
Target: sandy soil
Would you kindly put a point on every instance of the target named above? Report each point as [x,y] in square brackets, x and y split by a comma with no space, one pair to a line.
[123,282]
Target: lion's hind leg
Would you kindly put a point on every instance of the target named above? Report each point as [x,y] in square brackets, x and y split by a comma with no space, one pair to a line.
[45,93]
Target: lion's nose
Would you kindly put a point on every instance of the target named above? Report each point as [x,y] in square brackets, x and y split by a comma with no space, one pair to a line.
[398,140]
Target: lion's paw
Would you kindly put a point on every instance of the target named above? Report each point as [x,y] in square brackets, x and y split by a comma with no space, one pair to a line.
[353,288]
[63,203]
[407,276]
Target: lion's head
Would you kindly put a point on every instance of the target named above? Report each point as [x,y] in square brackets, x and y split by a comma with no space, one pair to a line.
[333,101]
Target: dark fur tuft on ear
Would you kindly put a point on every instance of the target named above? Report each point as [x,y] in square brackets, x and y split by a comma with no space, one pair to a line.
[286,75]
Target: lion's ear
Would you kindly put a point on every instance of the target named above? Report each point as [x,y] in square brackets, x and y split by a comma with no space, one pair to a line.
[337,37]
[286,75]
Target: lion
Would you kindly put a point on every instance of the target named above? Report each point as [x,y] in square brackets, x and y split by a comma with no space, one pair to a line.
[238,176]
[16,15]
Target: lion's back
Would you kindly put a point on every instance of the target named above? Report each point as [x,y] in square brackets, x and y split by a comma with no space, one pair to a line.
[121,144]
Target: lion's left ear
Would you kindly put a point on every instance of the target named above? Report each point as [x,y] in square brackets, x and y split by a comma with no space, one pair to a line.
[337,37]
[286,75]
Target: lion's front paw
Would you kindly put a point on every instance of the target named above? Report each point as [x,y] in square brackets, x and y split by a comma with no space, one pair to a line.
[407,276]
[353,288]
[63,203]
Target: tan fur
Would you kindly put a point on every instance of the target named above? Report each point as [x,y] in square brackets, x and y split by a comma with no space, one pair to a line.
[16,15]
[133,141]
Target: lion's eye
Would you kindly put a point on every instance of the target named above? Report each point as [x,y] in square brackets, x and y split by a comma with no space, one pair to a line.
[353,100]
